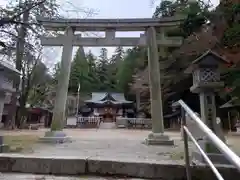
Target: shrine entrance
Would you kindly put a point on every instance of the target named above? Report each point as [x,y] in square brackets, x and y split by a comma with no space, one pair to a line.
[154,37]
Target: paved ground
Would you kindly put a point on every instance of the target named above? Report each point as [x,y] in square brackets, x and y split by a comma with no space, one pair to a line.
[6,176]
[114,144]
[111,144]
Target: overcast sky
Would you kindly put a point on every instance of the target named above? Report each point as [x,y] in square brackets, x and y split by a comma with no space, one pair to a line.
[113,9]
[109,9]
[104,9]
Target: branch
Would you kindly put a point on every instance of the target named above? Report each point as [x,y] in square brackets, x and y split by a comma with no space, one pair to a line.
[28,9]
[34,66]
[8,32]
[12,19]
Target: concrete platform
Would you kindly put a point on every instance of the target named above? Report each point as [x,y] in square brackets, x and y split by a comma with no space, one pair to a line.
[75,166]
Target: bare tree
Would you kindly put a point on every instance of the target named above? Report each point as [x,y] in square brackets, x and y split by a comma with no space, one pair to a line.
[19,30]
[28,11]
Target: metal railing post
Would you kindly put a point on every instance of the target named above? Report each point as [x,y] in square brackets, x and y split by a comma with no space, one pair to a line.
[186,149]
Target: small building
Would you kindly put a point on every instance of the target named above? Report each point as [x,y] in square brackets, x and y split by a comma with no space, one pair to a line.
[229,113]
[39,115]
[7,75]
[108,106]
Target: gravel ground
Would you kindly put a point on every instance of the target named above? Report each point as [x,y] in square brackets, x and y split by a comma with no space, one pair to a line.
[114,143]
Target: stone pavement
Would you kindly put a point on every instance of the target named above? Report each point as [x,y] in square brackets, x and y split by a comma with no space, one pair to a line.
[111,144]
[11,176]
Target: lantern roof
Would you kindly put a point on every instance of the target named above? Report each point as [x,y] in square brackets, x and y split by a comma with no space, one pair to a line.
[209,59]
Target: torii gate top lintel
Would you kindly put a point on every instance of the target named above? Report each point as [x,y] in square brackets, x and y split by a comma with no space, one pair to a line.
[134,24]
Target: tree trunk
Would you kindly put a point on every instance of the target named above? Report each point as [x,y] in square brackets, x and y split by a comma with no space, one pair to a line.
[22,113]
[22,32]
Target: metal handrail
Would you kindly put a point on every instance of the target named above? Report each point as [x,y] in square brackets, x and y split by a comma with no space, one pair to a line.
[223,148]
[214,169]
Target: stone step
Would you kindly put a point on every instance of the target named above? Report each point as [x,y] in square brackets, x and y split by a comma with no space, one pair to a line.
[107,125]
[75,166]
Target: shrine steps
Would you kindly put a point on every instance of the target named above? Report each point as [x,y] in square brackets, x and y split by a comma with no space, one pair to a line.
[107,125]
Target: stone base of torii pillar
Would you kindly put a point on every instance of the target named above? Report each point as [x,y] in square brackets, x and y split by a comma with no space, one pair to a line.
[158,139]
[55,137]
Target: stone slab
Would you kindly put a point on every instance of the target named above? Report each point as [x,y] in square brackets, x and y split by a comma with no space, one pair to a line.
[214,157]
[167,170]
[131,168]
[160,142]
[55,137]
[158,139]
[55,140]
[68,166]
[46,165]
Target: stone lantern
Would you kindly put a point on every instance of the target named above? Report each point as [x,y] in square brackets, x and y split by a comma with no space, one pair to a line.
[206,81]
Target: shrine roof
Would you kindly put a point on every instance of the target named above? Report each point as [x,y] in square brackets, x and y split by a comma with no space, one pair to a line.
[104,97]
[233,103]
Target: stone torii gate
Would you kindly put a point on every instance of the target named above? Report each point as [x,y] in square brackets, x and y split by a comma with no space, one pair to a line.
[150,39]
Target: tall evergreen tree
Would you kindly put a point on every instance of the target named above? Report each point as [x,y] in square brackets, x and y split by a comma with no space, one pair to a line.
[115,64]
[91,60]
[102,71]
[118,55]
[92,71]
[79,71]
[128,66]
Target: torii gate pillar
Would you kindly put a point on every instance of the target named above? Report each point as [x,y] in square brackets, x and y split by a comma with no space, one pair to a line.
[157,136]
[63,81]
[59,110]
